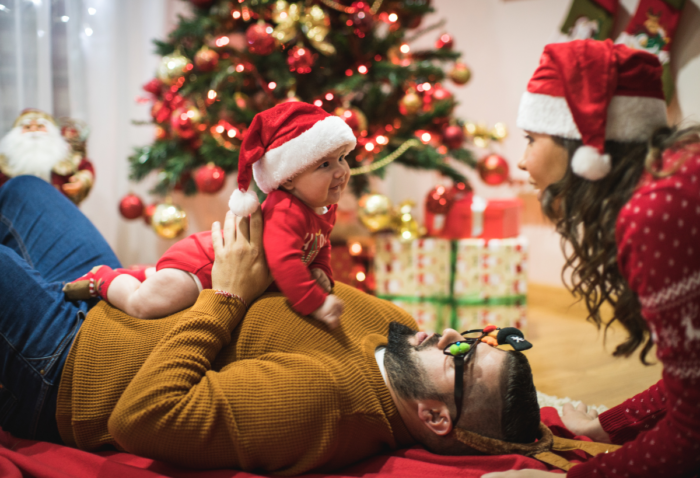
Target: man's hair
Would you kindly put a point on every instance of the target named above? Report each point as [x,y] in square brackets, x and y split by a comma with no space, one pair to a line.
[513,416]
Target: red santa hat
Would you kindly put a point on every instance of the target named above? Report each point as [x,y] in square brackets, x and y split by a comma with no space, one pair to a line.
[594,91]
[283,142]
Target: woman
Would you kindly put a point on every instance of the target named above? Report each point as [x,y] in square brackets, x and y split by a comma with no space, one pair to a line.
[622,189]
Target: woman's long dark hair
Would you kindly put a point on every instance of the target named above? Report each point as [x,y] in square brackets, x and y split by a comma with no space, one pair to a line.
[585,214]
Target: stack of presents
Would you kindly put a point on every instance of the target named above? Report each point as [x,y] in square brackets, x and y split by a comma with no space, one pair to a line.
[470,270]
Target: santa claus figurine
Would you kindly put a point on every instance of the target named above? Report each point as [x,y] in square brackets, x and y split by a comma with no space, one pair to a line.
[35,146]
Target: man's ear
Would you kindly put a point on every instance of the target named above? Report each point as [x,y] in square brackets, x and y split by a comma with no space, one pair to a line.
[288,185]
[435,415]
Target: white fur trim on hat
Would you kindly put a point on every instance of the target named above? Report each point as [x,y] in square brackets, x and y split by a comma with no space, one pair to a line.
[297,154]
[590,164]
[243,204]
[630,118]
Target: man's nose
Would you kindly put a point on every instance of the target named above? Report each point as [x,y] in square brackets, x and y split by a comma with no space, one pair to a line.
[449,336]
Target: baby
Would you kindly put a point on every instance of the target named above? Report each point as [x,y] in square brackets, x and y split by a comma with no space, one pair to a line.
[296,152]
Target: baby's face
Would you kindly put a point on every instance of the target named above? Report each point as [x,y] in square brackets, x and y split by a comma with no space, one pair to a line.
[323,183]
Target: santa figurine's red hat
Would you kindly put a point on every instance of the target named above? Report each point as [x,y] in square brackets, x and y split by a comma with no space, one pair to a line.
[281,143]
[594,91]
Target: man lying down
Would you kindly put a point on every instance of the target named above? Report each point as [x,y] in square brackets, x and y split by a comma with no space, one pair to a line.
[232,382]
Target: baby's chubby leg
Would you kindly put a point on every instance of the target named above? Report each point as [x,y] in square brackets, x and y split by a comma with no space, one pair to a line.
[163,293]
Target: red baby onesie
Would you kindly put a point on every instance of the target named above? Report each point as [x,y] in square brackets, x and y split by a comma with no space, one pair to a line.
[295,239]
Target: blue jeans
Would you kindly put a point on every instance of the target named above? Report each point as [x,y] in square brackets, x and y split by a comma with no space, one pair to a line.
[45,241]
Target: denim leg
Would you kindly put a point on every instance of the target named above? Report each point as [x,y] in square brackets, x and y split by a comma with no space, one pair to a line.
[37,327]
[44,241]
[49,232]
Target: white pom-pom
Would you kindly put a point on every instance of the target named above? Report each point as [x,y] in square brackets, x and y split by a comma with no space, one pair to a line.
[243,204]
[590,164]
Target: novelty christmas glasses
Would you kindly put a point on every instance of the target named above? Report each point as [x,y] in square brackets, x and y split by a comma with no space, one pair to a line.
[463,350]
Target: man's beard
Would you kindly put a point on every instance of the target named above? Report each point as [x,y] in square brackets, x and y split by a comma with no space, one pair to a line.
[33,153]
[407,376]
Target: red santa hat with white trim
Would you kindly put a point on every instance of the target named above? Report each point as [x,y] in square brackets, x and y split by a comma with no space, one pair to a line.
[594,91]
[281,143]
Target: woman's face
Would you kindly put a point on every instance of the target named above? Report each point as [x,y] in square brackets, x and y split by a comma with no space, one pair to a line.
[545,160]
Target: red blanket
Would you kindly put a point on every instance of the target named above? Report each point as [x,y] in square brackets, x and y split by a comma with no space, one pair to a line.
[19,458]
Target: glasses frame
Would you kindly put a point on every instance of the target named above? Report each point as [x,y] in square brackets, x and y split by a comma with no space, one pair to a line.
[460,360]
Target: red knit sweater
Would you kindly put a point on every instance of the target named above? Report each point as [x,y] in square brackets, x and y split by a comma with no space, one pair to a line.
[658,237]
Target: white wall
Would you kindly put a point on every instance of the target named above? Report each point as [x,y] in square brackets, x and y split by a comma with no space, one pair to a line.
[501,41]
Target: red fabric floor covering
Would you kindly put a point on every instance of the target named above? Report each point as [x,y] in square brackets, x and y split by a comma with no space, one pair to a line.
[27,458]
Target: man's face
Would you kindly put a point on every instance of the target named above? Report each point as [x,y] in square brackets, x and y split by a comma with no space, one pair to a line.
[418,368]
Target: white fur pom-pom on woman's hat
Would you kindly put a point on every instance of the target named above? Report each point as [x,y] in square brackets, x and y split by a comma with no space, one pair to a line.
[594,91]
[281,143]
[590,164]
[243,203]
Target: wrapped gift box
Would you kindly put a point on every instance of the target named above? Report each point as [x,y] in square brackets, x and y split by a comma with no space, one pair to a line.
[419,268]
[430,315]
[490,268]
[463,284]
[471,216]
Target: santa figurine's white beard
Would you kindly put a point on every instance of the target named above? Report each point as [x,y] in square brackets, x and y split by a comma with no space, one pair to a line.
[34,153]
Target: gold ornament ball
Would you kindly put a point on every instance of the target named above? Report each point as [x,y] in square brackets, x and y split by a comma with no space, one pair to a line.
[375,212]
[408,228]
[411,103]
[460,74]
[172,67]
[169,220]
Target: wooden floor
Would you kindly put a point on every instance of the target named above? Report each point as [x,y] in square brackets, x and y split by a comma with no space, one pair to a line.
[569,358]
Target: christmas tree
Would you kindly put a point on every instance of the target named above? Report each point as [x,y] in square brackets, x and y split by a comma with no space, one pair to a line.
[233,59]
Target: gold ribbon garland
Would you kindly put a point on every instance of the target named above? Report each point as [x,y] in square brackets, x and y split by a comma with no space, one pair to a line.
[312,20]
[349,10]
[386,160]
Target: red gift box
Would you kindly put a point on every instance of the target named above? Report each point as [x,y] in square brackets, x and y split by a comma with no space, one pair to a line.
[472,216]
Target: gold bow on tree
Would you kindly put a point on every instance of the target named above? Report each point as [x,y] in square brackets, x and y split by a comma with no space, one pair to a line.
[312,20]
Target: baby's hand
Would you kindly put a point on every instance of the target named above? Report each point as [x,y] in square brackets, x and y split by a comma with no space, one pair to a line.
[329,312]
[321,279]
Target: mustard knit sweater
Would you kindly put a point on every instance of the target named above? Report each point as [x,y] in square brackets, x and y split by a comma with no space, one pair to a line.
[274,393]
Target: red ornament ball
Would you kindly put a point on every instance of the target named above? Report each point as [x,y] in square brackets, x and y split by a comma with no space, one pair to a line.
[300,60]
[493,169]
[131,206]
[148,213]
[362,18]
[210,178]
[184,121]
[259,38]
[439,200]
[438,93]
[445,42]
[453,136]
[206,59]
[154,87]
[160,111]
[355,118]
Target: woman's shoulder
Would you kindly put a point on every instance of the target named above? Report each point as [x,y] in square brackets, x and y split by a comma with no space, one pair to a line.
[668,196]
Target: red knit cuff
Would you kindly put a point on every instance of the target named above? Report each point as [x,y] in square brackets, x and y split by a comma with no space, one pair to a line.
[616,424]
[310,301]
[579,471]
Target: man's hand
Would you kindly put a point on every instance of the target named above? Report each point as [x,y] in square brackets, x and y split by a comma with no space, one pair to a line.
[582,422]
[239,264]
[329,313]
[321,279]
[522,474]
